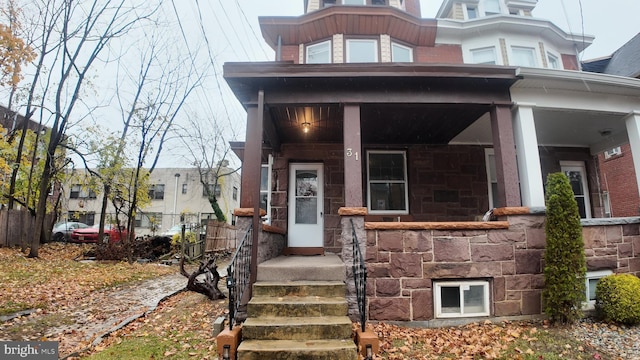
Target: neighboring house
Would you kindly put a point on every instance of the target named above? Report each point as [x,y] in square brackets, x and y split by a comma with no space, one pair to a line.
[623,62]
[176,195]
[413,129]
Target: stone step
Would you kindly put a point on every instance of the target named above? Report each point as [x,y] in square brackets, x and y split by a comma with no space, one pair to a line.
[327,267]
[293,350]
[299,288]
[263,306]
[297,328]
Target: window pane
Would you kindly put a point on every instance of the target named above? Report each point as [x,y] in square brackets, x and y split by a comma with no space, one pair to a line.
[491,7]
[306,211]
[484,56]
[353,2]
[554,63]
[362,51]
[474,299]
[592,288]
[386,167]
[472,12]
[450,299]
[523,56]
[401,53]
[575,179]
[263,200]
[388,196]
[306,183]
[319,53]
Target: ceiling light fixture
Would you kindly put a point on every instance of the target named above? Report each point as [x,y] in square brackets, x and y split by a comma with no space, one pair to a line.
[305,126]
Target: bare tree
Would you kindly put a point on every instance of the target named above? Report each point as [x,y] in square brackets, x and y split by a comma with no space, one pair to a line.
[71,36]
[209,151]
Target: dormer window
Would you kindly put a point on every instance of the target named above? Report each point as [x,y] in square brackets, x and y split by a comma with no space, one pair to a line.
[327,3]
[362,51]
[319,53]
[472,12]
[491,7]
[354,2]
[401,53]
[553,61]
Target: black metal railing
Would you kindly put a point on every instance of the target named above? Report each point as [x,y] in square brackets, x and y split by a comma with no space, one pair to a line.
[238,273]
[359,277]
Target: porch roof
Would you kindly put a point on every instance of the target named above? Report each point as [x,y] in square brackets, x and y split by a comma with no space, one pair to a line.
[427,103]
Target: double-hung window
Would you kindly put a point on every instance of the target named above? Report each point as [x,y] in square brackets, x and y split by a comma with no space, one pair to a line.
[387,182]
[484,56]
[354,2]
[319,53]
[553,61]
[461,298]
[491,7]
[362,50]
[156,192]
[523,56]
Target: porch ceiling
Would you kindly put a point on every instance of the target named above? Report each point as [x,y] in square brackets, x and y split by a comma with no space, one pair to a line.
[381,123]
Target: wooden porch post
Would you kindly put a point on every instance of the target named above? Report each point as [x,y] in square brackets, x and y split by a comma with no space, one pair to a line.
[352,157]
[251,166]
[505,155]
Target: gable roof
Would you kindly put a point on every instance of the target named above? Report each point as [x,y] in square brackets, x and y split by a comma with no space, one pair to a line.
[623,62]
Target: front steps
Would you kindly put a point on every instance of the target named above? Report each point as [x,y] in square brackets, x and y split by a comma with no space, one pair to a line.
[298,311]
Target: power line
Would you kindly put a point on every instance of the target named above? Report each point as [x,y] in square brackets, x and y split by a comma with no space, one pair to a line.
[253,31]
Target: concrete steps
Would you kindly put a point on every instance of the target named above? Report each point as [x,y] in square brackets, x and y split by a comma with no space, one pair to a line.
[298,311]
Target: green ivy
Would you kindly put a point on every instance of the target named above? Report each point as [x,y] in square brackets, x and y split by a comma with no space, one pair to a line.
[565,269]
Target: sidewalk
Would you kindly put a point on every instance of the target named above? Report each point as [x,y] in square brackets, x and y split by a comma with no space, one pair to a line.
[106,311]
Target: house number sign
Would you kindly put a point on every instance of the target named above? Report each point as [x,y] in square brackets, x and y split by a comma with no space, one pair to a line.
[351,153]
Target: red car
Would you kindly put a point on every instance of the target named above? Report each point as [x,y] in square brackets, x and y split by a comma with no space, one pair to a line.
[90,234]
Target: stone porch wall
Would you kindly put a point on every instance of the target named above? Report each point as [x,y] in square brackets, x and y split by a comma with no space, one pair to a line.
[403,264]
[271,241]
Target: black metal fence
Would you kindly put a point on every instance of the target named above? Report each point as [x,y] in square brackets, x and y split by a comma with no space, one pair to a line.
[238,273]
[359,277]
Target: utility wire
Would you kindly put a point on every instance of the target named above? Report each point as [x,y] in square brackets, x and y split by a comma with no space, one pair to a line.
[253,31]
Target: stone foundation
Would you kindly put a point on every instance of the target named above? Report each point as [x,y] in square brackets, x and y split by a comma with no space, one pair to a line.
[403,264]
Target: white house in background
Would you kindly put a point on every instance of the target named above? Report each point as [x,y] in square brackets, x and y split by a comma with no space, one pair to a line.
[173,191]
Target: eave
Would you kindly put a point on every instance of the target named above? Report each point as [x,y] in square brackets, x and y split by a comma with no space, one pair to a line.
[348,20]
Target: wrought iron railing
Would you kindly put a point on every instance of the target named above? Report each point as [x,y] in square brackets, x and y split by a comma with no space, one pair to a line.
[359,277]
[238,273]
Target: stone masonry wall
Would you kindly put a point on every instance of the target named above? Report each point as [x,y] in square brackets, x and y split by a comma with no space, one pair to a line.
[403,264]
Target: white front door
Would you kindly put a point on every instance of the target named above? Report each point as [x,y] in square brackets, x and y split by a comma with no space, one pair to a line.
[577,174]
[305,205]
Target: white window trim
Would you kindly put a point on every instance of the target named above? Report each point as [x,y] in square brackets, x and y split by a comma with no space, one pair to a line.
[608,154]
[557,57]
[465,11]
[606,202]
[488,153]
[375,49]
[406,184]
[323,43]
[437,293]
[534,52]
[590,304]
[495,55]
[269,166]
[579,165]
[401,46]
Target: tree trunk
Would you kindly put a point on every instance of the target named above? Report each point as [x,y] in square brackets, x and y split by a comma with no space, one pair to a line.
[209,286]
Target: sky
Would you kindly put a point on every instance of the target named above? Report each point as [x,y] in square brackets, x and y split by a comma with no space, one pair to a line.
[612,22]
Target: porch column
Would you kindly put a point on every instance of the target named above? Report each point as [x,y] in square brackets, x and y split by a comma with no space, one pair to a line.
[505,155]
[633,131]
[528,156]
[251,166]
[352,157]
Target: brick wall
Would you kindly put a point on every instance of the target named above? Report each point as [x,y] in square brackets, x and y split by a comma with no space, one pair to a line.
[403,264]
[570,62]
[290,53]
[617,176]
[445,54]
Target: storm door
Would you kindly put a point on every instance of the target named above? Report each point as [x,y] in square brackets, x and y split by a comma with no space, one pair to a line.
[305,225]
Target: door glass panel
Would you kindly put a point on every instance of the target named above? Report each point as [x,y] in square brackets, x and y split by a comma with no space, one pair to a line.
[575,179]
[306,197]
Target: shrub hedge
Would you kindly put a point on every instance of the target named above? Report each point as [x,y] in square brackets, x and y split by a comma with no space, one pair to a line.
[617,298]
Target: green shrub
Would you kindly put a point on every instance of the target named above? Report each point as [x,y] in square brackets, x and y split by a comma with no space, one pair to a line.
[617,298]
[565,268]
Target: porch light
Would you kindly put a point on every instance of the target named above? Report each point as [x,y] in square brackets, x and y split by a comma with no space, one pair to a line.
[305,126]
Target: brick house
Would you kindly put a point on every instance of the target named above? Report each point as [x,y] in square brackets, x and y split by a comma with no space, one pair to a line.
[405,131]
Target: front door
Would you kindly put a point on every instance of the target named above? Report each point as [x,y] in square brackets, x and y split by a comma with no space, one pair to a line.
[305,206]
[577,174]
